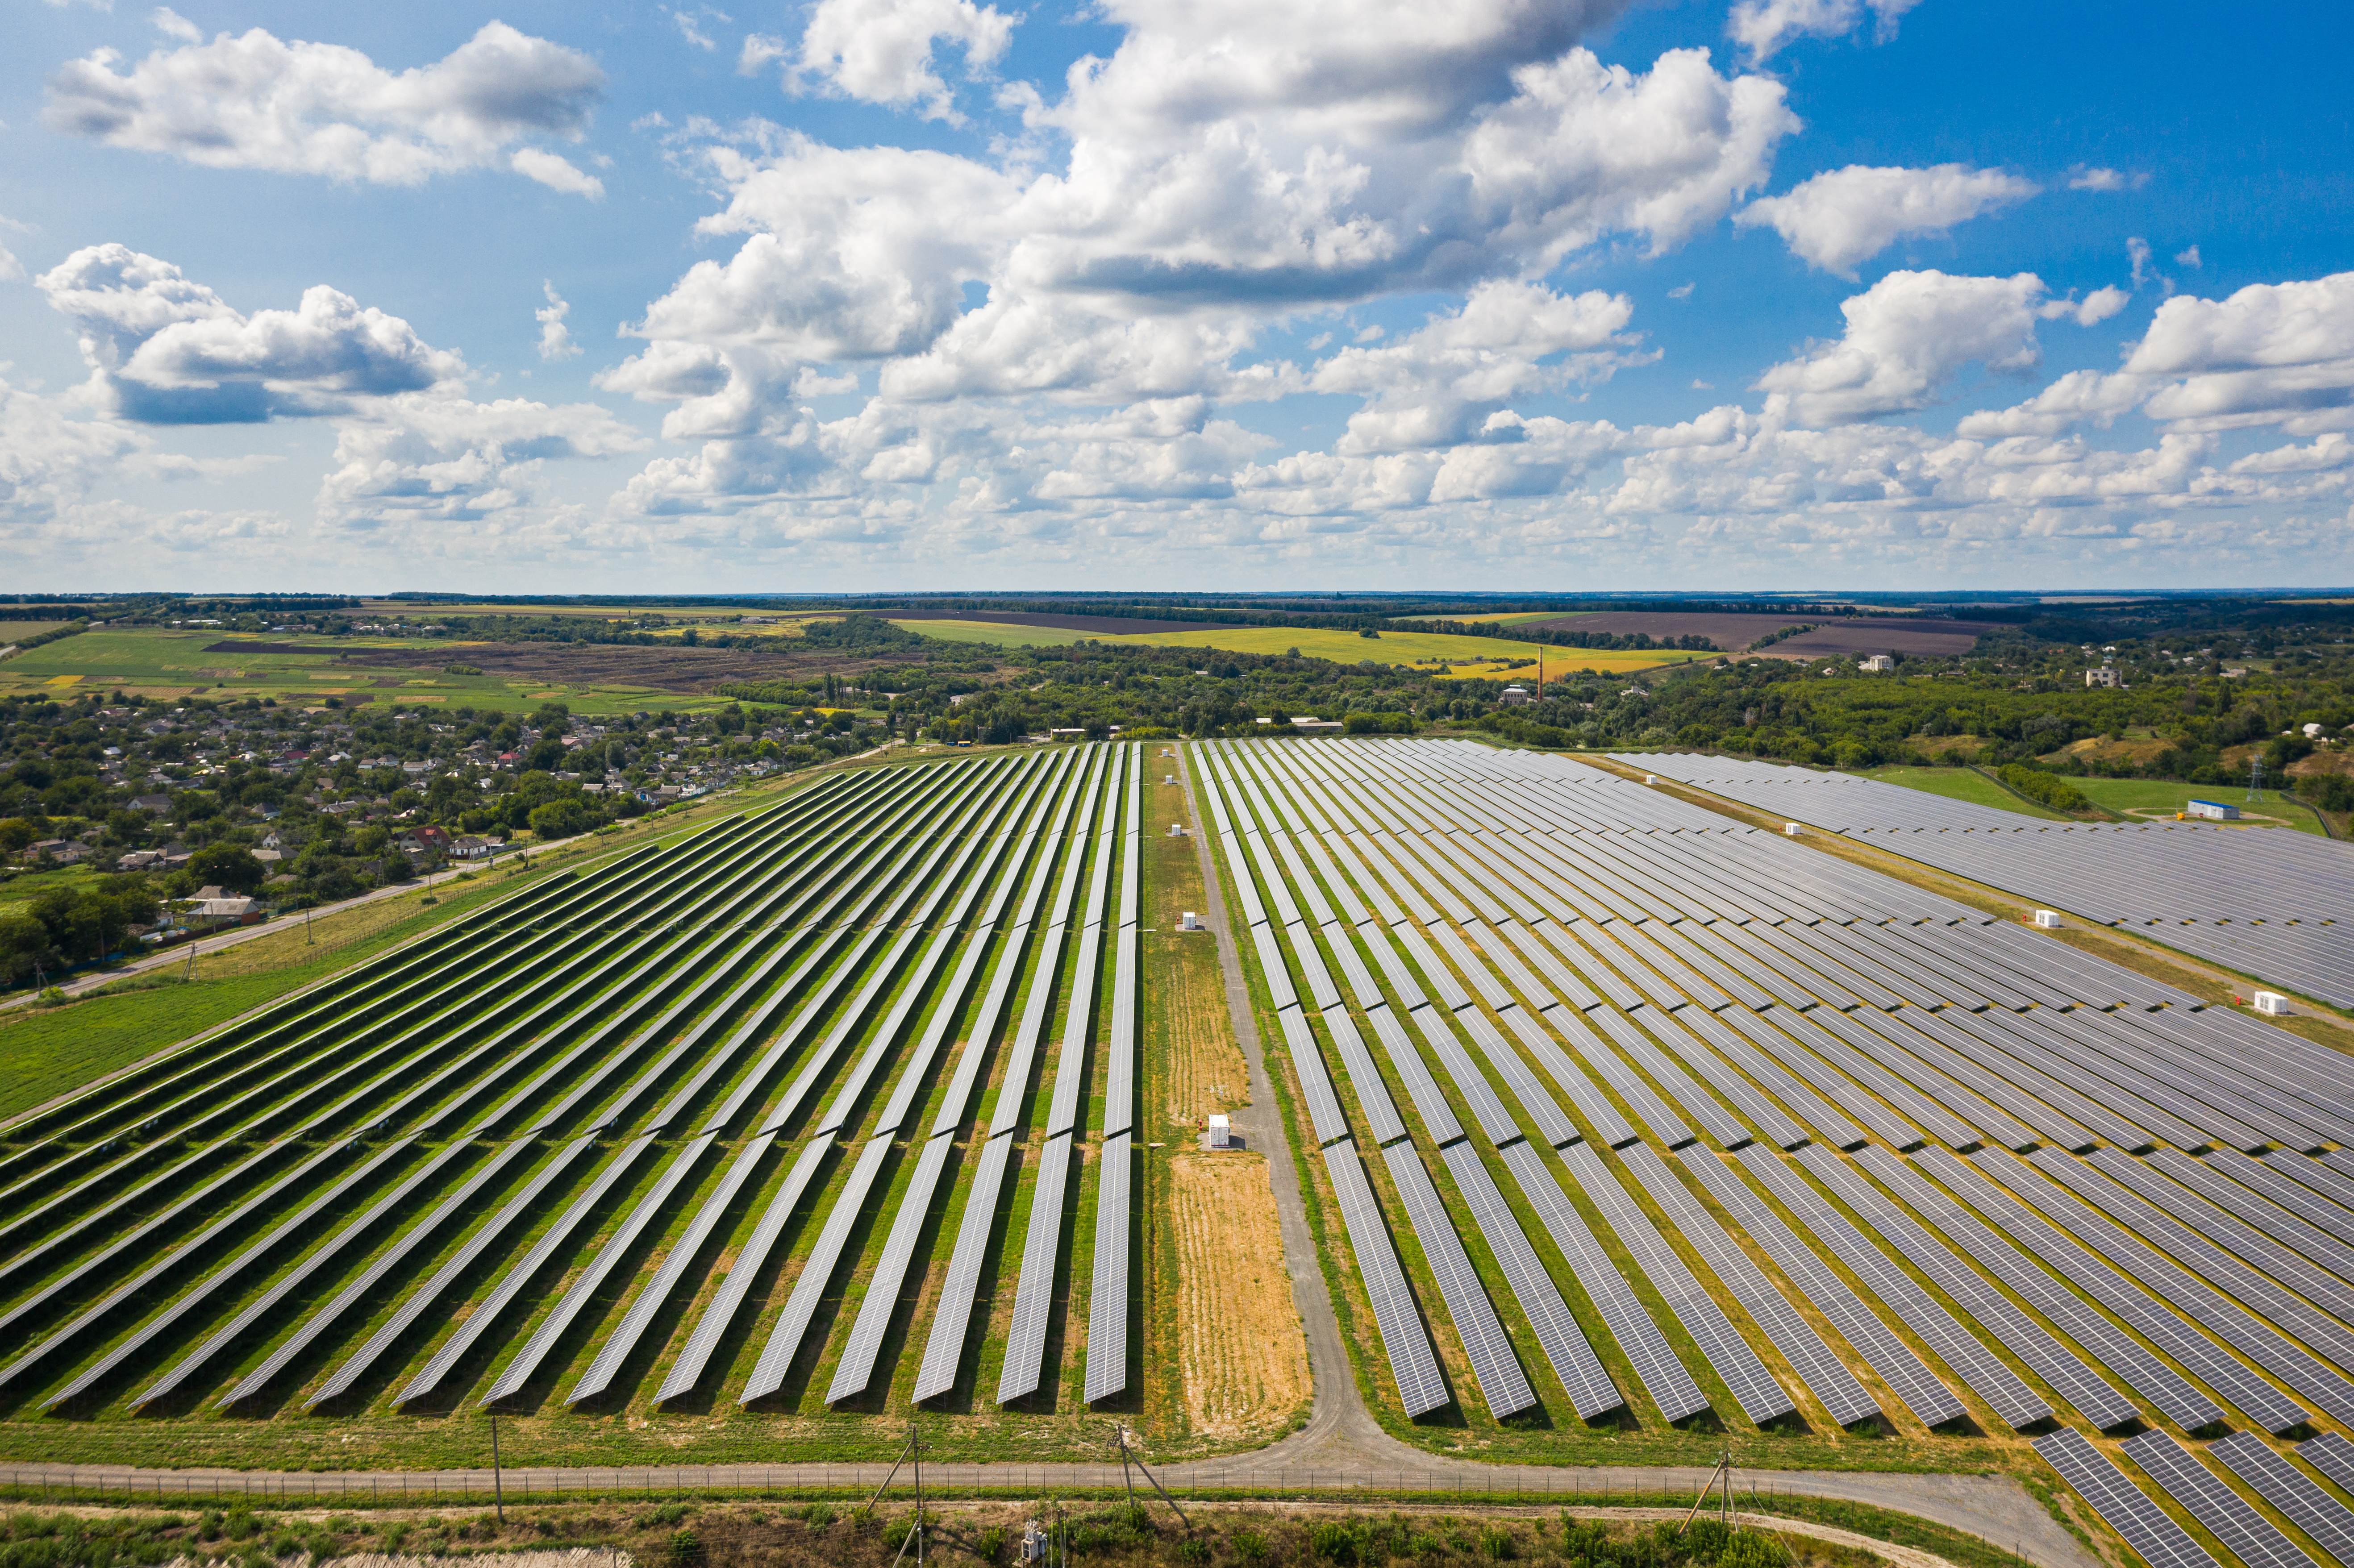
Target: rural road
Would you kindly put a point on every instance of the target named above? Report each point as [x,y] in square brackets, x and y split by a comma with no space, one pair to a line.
[167,957]
[1341,1448]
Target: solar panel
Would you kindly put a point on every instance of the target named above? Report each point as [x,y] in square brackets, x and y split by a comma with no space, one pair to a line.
[2288,1488]
[1429,1101]
[2244,1532]
[855,1367]
[432,1291]
[1589,1387]
[1980,1304]
[1976,1366]
[2333,1455]
[1911,1382]
[1107,1295]
[751,1258]
[1033,1295]
[1535,1100]
[816,1276]
[2109,1346]
[1841,1395]
[1752,1386]
[362,1287]
[2202,1357]
[1422,1388]
[2226,1319]
[164,1323]
[1613,1070]
[1324,1112]
[2127,1508]
[484,1317]
[952,1319]
[1502,1382]
[657,1292]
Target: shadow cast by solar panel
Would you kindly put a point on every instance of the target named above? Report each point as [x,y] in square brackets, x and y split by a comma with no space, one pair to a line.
[963,1396]
[704,1397]
[457,1388]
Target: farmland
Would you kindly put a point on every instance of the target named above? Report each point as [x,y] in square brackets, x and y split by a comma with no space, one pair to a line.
[738,1142]
[1468,657]
[167,664]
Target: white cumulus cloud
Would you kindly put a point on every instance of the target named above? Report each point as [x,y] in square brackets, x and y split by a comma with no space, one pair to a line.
[163,349]
[880,51]
[555,338]
[256,101]
[1845,216]
[1906,336]
[427,457]
[1765,27]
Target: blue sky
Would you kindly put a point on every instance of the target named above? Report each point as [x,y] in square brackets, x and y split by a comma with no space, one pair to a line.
[866,293]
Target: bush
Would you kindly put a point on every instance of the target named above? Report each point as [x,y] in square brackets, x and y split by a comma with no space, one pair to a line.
[1377,724]
[684,1549]
[1250,1546]
[1333,1541]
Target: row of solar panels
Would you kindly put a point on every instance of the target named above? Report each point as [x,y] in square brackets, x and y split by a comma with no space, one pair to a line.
[2273,904]
[1280,780]
[854,881]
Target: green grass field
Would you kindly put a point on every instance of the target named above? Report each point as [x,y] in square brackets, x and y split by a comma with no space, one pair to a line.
[2157,800]
[161,662]
[1964,784]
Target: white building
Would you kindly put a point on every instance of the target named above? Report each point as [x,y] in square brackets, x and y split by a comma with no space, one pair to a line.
[1879,662]
[2213,811]
[2103,676]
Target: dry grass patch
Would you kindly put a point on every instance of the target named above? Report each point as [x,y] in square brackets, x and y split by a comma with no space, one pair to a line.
[1242,1357]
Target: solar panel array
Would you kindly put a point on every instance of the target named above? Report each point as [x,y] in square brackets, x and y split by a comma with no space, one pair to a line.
[737,1046]
[1728,1040]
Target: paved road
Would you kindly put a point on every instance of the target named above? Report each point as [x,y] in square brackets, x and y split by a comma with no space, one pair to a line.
[1340,1449]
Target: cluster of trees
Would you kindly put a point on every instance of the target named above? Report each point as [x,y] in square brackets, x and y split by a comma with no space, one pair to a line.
[2045,789]
[1147,692]
[1791,712]
[59,927]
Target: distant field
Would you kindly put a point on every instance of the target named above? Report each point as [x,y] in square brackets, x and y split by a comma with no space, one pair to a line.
[161,663]
[996,633]
[16,631]
[1962,784]
[1409,648]
[1501,616]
